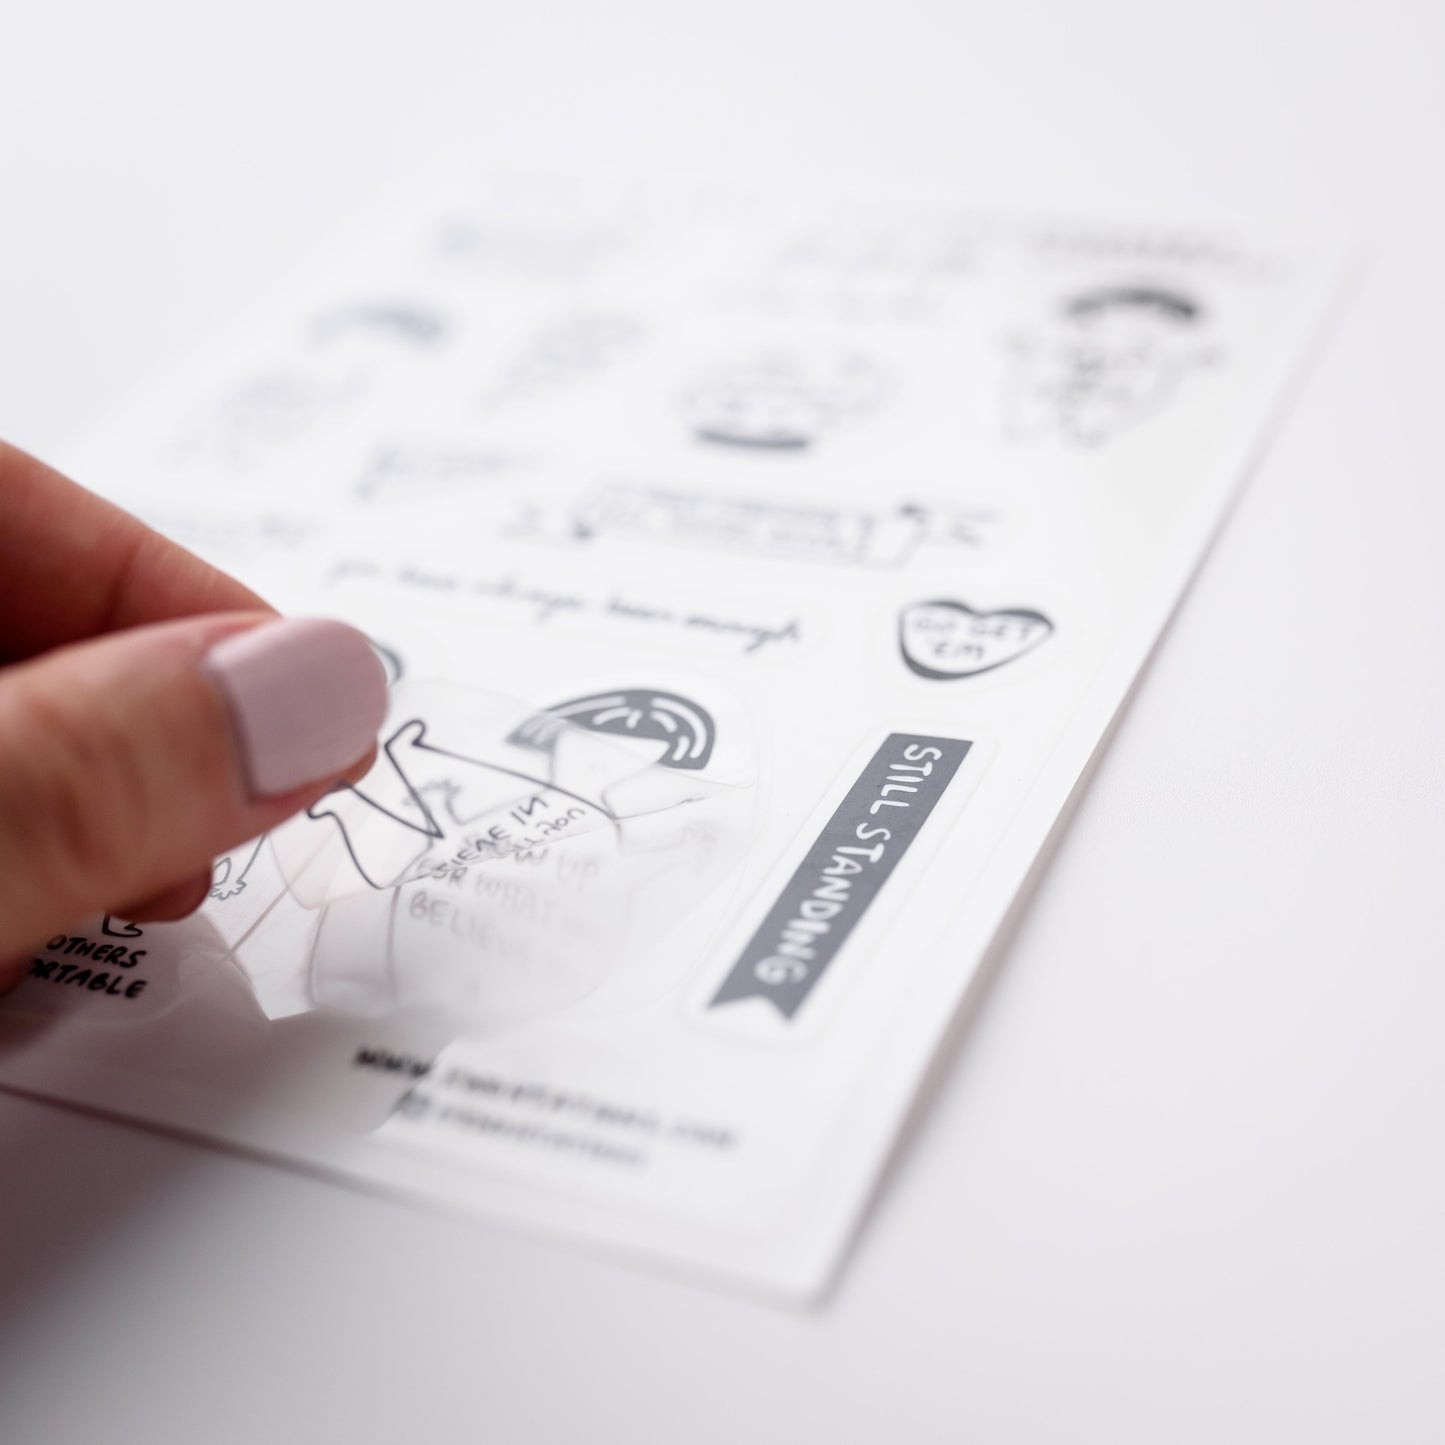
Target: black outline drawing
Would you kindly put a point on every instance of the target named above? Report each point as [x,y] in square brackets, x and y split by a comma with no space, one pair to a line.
[221,885]
[1112,357]
[225,882]
[1021,614]
[799,528]
[430,812]
[412,734]
[131,930]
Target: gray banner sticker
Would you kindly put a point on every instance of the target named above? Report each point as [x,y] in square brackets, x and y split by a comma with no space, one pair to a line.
[843,872]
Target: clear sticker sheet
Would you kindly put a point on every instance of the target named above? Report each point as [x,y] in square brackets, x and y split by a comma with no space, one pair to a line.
[756,575]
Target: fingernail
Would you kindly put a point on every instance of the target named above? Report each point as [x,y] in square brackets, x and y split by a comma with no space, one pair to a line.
[306,698]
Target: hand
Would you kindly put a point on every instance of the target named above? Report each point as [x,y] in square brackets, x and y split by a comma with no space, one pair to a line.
[153,713]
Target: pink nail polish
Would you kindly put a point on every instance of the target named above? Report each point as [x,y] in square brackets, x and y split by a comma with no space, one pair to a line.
[306,697]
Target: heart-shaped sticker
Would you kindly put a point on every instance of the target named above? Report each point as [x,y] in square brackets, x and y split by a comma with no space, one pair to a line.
[943,640]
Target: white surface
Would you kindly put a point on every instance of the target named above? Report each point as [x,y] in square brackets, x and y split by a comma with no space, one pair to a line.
[1180,1178]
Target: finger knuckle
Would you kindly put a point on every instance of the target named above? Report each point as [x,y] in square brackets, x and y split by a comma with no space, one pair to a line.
[67,779]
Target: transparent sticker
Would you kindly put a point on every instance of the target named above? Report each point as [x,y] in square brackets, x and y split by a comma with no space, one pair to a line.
[106,970]
[497,864]
[501,860]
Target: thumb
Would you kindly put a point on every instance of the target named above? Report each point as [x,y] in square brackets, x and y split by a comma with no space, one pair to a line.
[128,762]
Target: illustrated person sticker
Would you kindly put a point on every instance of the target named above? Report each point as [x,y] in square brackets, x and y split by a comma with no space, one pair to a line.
[945,640]
[778,401]
[1111,357]
[493,779]
[453,895]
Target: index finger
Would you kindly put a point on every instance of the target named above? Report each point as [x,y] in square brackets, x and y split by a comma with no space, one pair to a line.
[72,565]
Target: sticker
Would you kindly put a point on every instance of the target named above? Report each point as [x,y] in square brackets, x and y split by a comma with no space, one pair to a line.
[1111,357]
[843,871]
[778,401]
[110,971]
[943,640]
[501,861]
[802,529]
[465,778]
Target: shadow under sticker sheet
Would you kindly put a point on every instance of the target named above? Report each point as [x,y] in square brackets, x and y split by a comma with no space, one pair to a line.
[756,576]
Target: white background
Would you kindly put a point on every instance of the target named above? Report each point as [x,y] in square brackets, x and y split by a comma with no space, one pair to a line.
[1180,1175]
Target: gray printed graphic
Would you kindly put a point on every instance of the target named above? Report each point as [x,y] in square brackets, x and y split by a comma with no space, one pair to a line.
[684,728]
[943,639]
[843,871]
[777,401]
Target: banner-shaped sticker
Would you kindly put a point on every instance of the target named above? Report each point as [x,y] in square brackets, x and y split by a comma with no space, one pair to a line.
[843,871]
